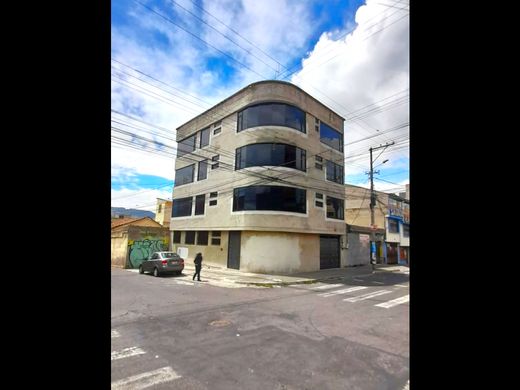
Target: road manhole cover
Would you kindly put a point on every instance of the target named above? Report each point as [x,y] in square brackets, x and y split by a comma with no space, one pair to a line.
[220,323]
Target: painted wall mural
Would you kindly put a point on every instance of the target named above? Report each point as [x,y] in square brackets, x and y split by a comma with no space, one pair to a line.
[140,250]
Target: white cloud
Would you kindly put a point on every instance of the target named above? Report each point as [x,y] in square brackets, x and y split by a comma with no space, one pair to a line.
[139,199]
[361,69]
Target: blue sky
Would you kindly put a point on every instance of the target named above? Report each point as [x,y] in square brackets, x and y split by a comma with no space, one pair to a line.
[173,59]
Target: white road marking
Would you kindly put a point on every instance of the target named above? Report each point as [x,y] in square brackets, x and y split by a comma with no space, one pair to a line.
[127,352]
[367,296]
[344,291]
[378,282]
[132,270]
[183,282]
[394,302]
[401,285]
[115,333]
[147,379]
[326,287]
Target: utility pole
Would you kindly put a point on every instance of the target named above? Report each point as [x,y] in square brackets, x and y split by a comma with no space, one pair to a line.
[373,198]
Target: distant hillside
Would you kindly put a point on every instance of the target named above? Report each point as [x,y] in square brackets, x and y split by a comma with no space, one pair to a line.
[117,211]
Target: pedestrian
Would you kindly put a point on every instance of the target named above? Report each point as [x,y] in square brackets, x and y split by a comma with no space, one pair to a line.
[198,266]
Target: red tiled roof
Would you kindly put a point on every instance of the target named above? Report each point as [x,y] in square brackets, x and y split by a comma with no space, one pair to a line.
[123,221]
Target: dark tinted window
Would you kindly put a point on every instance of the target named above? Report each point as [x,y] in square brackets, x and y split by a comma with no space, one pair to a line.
[334,208]
[393,225]
[215,158]
[184,175]
[331,137]
[319,204]
[319,196]
[334,172]
[199,204]
[187,145]
[204,137]
[182,207]
[272,114]
[274,198]
[213,194]
[203,170]
[270,154]
[406,230]
[214,166]
[176,237]
[202,238]
[190,237]
[212,202]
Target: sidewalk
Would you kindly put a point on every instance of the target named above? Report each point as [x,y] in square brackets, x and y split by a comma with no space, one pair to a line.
[265,280]
[392,268]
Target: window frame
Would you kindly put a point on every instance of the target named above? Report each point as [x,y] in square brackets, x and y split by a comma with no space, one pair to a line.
[192,166]
[303,123]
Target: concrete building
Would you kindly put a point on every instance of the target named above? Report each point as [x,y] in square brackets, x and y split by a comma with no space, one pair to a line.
[392,213]
[259,183]
[163,212]
[134,239]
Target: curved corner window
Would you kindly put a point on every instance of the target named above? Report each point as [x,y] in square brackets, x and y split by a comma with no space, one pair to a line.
[274,198]
[331,137]
[270,154]
[272,114]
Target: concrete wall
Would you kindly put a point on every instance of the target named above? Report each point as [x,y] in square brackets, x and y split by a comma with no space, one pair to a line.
[358,249]
[275,252]
[119,252]
[163,216]
[212,254]
[143,241]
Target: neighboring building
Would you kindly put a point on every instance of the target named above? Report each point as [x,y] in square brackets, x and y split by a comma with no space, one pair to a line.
[391,213]
[259,183]
[134,239]
[163,213]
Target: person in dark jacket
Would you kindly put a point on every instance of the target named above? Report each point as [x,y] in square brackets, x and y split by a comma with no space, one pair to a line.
[198,266]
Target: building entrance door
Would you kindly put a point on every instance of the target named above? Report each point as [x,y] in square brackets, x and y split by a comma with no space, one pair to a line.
[234,250]
[329,252]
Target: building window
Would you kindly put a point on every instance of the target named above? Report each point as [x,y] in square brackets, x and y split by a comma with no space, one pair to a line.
[275,198]
[270,154]
[184,175]
[319,196]
[214,166]
[215,158]
[271,114]
[213,202]
[331,137]
[204,137]
[187,145]
[217,127]
[318,204]
[319,158]
[203,170]
[215,238]
[159,208]
[406,230]
[217,130]
[335,208]
[182,207]
[213,194]
[189,238]
[176,237]
[200,200]
[202,238]
[318,166]
[334,172]
[393,225]
[316,124]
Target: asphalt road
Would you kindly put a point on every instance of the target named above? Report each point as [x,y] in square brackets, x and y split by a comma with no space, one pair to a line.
[172,333]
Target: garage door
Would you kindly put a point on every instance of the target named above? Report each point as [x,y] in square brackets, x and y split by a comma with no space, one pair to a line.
[329,252]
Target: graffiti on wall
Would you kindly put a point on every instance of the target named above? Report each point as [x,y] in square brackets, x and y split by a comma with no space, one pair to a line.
[140,250]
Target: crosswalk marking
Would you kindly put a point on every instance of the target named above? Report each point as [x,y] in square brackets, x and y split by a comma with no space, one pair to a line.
[147,379]
[115,333]
[343,291]
[367,296]
[127,352]
[328,286]
[394,302]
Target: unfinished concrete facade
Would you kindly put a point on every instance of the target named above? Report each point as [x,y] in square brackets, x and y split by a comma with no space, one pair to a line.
[259,183]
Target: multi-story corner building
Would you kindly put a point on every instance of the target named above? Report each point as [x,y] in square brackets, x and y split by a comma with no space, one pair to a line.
[259,182]
[392,213]
[163,212]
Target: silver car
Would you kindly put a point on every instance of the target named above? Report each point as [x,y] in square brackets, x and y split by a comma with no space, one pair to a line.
[162,262]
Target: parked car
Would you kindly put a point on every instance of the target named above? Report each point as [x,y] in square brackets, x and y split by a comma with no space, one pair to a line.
[162,262]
